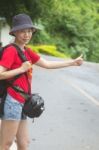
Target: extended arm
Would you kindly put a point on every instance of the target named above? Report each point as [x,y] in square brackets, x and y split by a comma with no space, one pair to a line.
[59,64]
[5,74]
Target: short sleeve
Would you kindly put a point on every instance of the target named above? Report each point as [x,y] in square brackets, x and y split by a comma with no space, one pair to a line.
[34,56]
[8,57]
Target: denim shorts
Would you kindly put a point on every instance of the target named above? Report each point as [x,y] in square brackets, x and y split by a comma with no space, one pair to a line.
[13,109]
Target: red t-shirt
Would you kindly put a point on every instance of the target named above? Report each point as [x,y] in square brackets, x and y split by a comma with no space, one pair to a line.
[11,60]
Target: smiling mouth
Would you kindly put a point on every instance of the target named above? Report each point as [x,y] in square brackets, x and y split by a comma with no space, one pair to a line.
[25,39]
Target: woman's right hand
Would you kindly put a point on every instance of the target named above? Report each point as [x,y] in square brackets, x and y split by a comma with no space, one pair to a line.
[26,66]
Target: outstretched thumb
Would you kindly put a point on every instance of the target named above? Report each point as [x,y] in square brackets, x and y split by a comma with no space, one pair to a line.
[81,56]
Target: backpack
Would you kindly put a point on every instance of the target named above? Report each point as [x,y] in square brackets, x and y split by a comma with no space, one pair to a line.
[3,84]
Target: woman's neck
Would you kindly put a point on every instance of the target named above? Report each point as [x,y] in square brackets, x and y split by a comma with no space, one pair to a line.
[20,45]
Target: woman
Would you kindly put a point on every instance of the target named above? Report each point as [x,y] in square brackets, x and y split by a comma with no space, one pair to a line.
[14,124]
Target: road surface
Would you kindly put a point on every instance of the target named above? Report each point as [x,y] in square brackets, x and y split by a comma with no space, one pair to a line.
[71,117]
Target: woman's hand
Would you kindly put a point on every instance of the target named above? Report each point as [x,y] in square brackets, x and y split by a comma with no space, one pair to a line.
[26,66]
[11,73]
[78,61]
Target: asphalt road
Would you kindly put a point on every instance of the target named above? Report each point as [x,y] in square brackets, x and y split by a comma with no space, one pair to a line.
[71,117]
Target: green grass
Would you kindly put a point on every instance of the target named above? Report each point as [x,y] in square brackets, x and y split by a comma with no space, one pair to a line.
[48,50]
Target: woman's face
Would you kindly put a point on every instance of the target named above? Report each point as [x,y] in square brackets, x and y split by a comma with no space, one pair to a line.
[23,36]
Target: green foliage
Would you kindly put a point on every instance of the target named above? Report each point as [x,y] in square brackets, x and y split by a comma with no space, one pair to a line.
[48,50]
[35,8]
[77,23]
[71,25]
[41,37]
[11,8]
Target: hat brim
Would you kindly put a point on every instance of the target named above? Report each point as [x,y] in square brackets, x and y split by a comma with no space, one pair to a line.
[25,26]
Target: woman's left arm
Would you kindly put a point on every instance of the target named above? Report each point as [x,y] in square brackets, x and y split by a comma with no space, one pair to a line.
[59,64]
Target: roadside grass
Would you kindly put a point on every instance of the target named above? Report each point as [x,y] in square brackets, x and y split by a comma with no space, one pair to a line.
[48,50]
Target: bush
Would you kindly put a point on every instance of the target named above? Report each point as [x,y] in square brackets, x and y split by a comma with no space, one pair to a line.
[48,50]
[42,37]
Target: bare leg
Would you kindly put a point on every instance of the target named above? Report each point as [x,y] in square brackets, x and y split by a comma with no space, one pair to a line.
[0,134]
[8,132]
[22,136]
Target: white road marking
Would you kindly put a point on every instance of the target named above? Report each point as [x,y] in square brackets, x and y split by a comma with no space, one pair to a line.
[94,100]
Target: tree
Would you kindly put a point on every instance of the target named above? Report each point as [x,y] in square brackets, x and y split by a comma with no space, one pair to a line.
[35,8]
[72,25]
